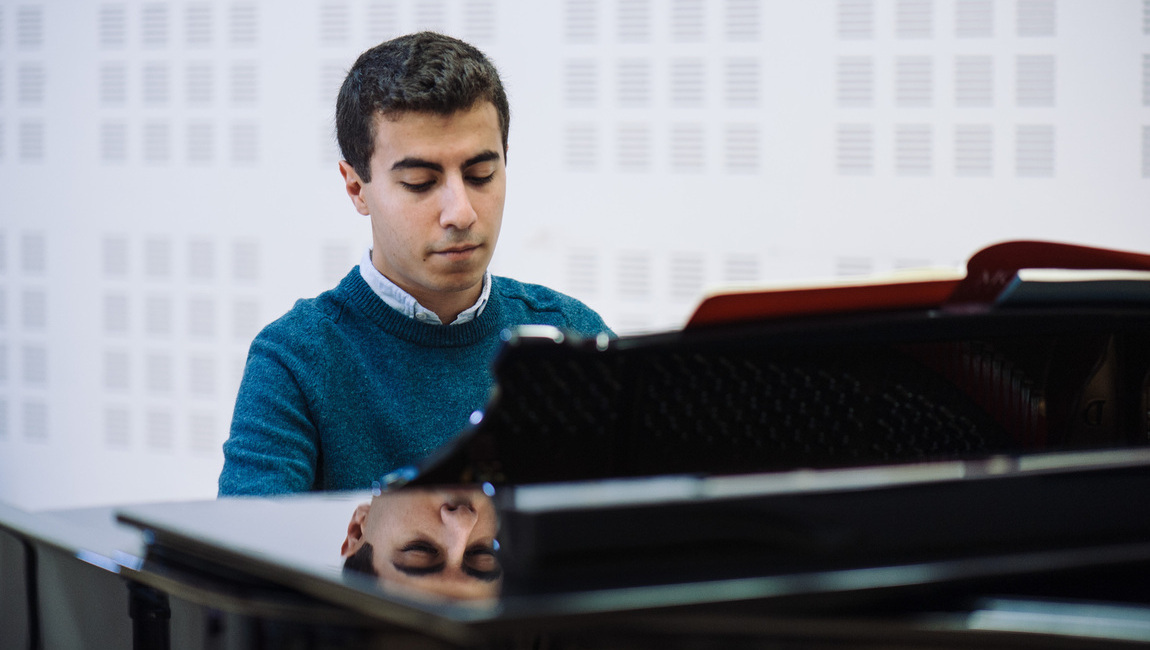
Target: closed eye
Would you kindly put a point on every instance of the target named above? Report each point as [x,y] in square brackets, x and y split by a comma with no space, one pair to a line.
[420,547]
[418,188]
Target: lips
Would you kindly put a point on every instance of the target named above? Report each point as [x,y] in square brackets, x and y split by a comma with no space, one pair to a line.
[456,252]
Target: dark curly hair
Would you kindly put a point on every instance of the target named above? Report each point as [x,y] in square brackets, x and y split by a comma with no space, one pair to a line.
[362,561]
[423,72]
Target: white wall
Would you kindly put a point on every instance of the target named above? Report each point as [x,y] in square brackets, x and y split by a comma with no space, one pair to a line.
[168,180]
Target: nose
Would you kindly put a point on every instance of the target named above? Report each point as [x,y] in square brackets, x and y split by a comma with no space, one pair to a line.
[458,520]
[457,211]
[458,517]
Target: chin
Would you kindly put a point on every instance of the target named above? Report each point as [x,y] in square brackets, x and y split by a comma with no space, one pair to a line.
[456,284]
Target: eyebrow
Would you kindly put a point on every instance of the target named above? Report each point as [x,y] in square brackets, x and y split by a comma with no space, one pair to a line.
[419,163]
[418,572]
[485,576]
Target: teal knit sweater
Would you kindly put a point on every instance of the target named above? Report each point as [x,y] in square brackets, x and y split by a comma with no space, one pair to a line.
[343,389]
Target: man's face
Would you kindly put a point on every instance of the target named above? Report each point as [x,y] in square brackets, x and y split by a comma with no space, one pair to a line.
[438,541]
[435,199]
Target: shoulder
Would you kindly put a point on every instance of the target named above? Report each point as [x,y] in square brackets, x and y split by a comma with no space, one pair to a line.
[548,306]
[535,297]
[308,316]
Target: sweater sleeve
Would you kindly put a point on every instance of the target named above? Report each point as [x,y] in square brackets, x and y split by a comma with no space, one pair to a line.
[273,445]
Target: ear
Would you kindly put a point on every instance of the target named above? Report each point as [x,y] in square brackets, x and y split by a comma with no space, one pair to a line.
[354,537]
[354,186]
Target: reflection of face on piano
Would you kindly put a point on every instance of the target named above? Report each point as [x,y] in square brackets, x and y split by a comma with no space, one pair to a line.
[437,541]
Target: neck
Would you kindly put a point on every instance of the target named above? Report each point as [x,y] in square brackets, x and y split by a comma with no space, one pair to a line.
[448,306]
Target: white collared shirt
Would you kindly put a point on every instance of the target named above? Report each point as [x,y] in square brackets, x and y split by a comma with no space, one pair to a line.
[404,303]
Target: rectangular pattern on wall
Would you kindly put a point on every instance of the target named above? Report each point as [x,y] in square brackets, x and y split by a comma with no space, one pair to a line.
[849,266]
[633,20]
[581,147]
[581,21]
[583,271]
[162,82]
[688,83]
[479,22]
[112,26]
[113,83]
[1036,77]
[741,82]
[974,81]
[743,21]
[973,150]
[855,81]
[201,143]
[974,18]
[34,310]
[581,83]
[633,141]
[34,365]
[914,149]
[1036,18]
[634,275]
[688,148]
[914,81]
[688,21]
[198,17]
[158,316]
[741,147]
[30,141]
[29,27]
[914,18]
[687,275]
[113,142]
[431,15]
[30,84]
[243,24]
[740,267]
[1146,151]
[117,427]
[34,412]
[633,77]
[1146,79]
[1034,150]
[855,19]
[172,379]
[855,147]
[154,25]
[334,23]
[382,21]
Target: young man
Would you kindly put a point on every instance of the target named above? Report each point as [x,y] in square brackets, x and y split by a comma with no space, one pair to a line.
[383,369]
[427,542]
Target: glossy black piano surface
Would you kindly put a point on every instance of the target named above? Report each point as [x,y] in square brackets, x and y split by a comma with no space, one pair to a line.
[924,466]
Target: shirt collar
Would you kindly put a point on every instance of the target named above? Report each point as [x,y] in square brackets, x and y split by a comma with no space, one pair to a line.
[406,304]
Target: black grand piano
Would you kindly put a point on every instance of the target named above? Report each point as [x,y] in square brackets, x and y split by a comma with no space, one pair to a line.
[941,462]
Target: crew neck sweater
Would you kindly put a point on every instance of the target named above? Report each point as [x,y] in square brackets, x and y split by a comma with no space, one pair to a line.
[344,389]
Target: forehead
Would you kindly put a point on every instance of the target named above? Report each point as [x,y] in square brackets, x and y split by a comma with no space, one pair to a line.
[436,137]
